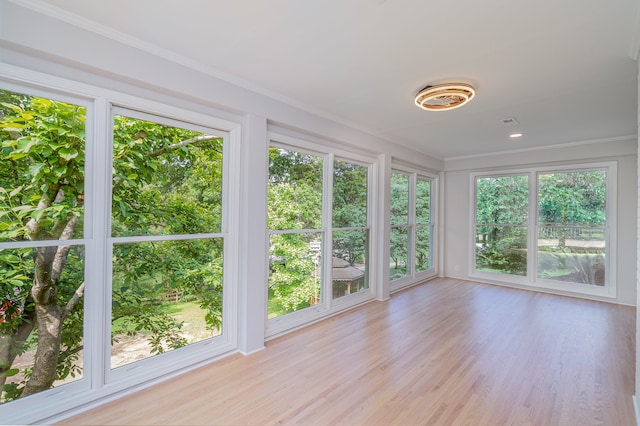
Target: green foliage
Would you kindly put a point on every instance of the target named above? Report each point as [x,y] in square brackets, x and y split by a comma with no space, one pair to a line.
[295,203]
[294,279]
[399,236]
[295,190]
[502,200]
[42,147]
[350,191]
[571,206]
[574,198]
[166,180]
[399,198]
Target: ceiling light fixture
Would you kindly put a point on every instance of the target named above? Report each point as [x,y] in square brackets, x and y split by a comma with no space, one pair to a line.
[515,135]
[444,97]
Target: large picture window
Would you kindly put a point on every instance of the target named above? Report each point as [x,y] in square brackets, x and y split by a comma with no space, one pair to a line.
[166,228]
[412,226]
[572,226]
[502,206]
[319,232]
[114,242]
[566,214]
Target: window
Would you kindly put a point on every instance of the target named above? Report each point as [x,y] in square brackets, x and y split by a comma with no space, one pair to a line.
[566,214]
[572,226]
[42,243]
[145,243]
[501,224]
[399,245]
[412,227]
[167,238]
[296,235]
[424,226]
[349,272]
[319,232]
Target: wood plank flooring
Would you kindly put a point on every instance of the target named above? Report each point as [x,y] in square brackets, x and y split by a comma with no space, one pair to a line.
[447,352]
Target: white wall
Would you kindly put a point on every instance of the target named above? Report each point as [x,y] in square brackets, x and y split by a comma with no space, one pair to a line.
[457,204]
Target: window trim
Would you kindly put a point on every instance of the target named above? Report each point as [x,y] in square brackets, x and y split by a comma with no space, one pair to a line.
[609,290]
[197,351]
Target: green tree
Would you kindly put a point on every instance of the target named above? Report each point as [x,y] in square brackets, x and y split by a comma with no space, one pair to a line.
[399,206]
[501,218]
[166,180]
[295,203]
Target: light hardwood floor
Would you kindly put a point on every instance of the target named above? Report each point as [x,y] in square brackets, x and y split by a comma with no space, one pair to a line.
[447,352]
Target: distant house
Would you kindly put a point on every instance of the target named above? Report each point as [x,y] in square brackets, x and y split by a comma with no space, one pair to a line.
[347,278]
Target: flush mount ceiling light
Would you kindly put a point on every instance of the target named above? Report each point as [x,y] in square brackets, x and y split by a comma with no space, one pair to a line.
[443,97]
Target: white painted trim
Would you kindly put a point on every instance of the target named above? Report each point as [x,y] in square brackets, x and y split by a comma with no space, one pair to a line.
[543,148]
[636,409]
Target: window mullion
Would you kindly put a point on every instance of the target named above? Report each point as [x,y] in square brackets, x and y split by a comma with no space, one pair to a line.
[327,226]
[97,314]
[411,255]
[532,231]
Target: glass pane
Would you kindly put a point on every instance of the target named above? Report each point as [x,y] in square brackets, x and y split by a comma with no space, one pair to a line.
[423,201]
[294,272]
[501,249]
[349,271]
[51,281]
[349,195]
[166,180]
[502,200]
[399,198]
[295,190]
[398,263]
[572,198]
[572,254]
[166,294]
[42,174]
[423,242]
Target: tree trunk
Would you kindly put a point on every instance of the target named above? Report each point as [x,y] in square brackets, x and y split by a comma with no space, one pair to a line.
[49,264]
[9,344]
[46,359]
[49,321]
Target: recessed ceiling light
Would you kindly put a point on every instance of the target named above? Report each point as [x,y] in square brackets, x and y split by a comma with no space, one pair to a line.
[515,135]
[444,97]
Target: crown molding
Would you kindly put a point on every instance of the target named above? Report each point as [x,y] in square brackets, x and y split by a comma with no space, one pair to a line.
[544,148]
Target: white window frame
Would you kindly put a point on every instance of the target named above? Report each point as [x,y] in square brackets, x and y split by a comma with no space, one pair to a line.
[609,290]
[76,389]
[415,277]
[327,306]
[198,351]
[97,382]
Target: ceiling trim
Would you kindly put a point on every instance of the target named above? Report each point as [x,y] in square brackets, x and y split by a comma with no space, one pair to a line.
[542,148]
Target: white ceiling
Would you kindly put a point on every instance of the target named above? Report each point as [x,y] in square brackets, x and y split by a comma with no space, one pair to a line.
[563,68]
